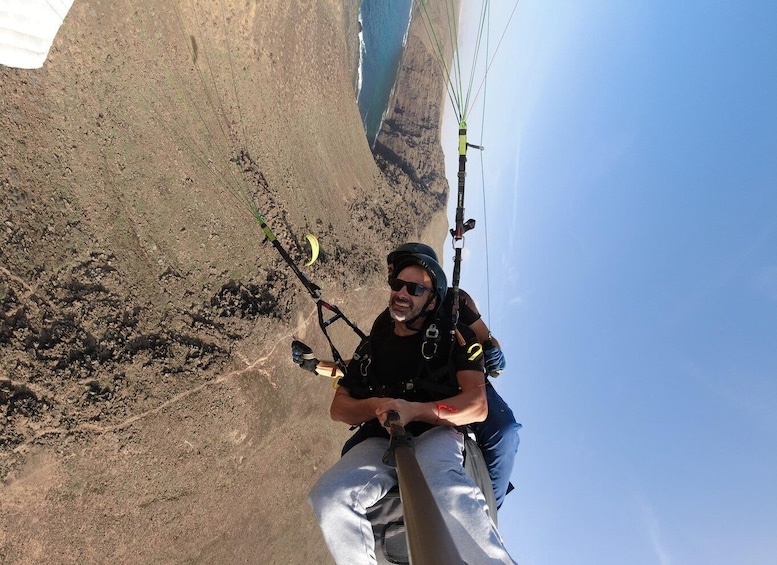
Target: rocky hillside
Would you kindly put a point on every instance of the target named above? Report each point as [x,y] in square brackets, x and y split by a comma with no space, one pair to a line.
[149,411]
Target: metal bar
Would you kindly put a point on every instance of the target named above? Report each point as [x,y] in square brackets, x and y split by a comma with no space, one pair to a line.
[428,540]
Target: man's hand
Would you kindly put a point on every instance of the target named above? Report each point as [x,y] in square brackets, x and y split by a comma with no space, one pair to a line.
[495,361]
[303,356]
[407,410]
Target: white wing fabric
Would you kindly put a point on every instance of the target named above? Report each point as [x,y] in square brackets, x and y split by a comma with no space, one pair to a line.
[27,30]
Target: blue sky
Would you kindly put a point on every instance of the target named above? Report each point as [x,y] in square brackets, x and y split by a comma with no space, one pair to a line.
[631,218]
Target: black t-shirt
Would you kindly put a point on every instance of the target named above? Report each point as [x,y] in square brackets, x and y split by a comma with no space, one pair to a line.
[397,359]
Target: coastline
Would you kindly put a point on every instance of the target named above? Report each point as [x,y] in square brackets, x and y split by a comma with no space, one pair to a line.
[352,31]
[382,41]
[407,149]
[390,101]
[409,142]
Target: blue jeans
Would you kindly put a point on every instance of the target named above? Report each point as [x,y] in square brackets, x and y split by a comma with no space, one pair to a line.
[498,439]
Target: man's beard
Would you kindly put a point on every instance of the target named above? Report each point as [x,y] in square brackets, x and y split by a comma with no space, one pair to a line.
[409,312]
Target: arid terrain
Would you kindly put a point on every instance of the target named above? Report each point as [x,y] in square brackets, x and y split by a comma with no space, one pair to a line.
[149,408]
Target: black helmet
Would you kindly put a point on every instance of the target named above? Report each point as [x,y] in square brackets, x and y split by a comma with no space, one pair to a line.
[412,247]
[430,265]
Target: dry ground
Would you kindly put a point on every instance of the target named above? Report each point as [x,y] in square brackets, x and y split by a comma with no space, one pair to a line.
[149,410]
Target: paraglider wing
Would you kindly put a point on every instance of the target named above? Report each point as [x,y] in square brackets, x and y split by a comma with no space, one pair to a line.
[314,248]
[27,30]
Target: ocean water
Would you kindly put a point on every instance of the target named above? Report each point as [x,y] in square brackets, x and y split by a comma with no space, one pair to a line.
[384,31]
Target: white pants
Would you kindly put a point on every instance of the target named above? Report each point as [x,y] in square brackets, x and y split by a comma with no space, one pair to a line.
[341,496]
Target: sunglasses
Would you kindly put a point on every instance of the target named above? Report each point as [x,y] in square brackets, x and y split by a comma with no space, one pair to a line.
[414,289]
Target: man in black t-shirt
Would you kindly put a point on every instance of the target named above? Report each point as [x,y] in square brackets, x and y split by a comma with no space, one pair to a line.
[404,369]
[497,436]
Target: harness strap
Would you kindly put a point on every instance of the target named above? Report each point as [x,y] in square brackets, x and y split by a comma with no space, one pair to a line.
[313,289]
[324,324]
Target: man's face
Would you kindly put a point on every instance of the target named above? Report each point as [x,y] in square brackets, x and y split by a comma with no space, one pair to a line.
[403,305]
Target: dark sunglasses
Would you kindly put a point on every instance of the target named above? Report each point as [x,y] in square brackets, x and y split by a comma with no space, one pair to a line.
[414,289]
